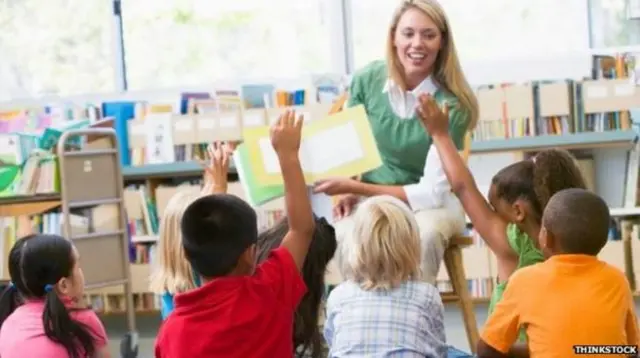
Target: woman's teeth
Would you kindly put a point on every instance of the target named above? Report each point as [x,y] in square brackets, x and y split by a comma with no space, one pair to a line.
[416,56]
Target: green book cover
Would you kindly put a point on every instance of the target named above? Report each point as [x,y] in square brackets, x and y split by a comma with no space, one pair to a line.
[10,163]
[256,194]
[50,136]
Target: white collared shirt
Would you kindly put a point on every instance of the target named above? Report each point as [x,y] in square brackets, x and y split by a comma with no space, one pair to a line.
[433,188]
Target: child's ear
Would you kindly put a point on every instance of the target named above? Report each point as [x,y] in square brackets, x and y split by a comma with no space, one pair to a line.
[545,241]
[519,210]
[64,286]
[250,256]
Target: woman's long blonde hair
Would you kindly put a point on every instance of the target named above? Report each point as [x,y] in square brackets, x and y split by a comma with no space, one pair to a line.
[173,274]
[447,70]
[384,246]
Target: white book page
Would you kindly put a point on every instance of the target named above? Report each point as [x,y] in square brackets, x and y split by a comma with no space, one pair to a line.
[269,157]
[332,148]
[322,205]
[325,150]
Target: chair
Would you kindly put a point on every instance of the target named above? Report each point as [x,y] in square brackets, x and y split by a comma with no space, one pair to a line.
[455,270]
[460,290]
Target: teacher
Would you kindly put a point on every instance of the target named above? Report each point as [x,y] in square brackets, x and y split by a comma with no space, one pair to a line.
[421,58]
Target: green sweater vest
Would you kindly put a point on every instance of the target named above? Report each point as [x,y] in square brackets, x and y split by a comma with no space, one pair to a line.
[403,143]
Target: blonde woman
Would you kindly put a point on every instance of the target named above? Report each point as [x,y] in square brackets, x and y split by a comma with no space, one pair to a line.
[421,58]
[173,273]
[383,308]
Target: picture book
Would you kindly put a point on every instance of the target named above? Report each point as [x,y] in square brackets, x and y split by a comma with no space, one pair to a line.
[340,145]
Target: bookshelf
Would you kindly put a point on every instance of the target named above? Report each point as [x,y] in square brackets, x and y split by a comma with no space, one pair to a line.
[511,107]
[584,140]
[166,170]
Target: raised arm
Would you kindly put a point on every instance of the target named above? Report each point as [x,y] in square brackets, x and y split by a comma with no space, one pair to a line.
[285,138]
[486,222]
[217,170]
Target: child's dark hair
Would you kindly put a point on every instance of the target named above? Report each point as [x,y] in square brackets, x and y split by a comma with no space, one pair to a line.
[307,338]
[216,230]
[538,179]
[579,220]
[36,264]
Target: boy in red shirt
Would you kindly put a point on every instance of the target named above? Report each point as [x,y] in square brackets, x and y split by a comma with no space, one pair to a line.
[242,310]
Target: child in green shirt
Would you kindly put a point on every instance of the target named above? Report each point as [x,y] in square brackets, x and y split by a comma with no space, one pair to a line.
[509,222]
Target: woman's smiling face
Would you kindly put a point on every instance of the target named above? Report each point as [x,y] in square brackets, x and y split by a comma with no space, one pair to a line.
[417,40]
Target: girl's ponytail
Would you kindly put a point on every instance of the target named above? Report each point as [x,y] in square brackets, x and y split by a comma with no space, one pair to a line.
[555,170]
[74,336]
[9,301]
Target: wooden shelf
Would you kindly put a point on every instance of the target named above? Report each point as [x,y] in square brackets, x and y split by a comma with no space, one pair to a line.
[20,205]
[585,140]
[625,212]
[166,170]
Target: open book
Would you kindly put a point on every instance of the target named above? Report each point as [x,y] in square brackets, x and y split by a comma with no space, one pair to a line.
[255,193]
[341,145]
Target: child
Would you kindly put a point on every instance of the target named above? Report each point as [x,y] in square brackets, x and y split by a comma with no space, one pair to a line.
[242,310]
[174,274]
[383,307]
[517,196]
[307,339]
[41,312]
[572,298]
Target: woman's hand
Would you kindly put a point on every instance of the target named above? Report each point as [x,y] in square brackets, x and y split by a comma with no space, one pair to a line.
[216,171]
[434,118]
[336,186]
[345,206]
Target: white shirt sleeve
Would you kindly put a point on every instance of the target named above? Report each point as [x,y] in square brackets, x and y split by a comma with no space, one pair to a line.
[432,189]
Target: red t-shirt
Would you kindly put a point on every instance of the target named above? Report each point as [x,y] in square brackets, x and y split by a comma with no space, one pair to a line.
[237,316]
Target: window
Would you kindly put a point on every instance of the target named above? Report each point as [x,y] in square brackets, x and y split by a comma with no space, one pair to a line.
[55,47]
[370,22]
[614,23]
[172,43]
[484,30]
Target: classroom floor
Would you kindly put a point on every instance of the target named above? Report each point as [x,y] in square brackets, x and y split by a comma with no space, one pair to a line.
[148,326]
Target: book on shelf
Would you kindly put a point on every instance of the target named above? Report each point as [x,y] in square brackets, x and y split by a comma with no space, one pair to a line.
[258,95]
[51,135]
[561,107]
[25,169]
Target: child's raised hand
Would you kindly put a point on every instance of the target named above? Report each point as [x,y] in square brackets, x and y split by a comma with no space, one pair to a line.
[286,133]
[217,168]
[434,118]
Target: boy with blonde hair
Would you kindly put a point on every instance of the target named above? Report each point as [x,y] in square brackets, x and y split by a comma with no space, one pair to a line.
[383,307]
